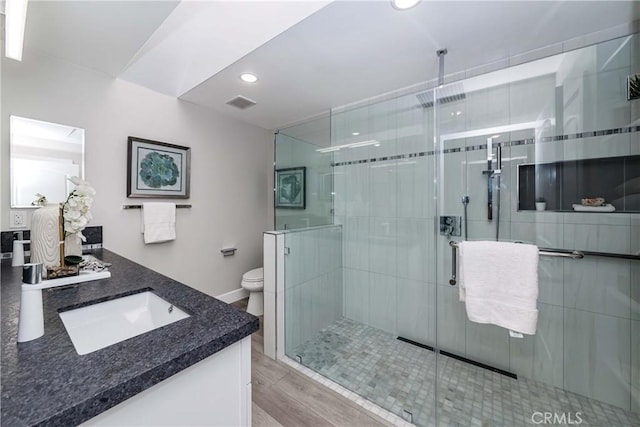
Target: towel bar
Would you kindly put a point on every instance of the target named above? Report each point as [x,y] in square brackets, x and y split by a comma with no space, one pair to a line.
[140,206]
[542,251]
[565,253]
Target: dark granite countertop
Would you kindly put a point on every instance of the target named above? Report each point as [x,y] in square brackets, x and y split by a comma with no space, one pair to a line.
[45,382]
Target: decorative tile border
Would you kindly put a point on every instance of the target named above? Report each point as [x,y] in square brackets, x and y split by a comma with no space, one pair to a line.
[92,233]
[528,141]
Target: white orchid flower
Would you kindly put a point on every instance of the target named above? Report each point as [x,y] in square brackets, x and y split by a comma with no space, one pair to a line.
[76,180]
[76,210]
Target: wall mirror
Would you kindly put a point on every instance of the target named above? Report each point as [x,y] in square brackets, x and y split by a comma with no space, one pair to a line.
[43,156]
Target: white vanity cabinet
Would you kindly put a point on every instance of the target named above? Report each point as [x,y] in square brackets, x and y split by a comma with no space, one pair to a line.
[213,392]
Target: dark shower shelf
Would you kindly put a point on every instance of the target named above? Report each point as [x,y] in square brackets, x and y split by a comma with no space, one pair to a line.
[562,184]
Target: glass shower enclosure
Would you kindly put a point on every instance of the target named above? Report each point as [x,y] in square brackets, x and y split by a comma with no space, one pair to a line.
[517,155]
[303,190]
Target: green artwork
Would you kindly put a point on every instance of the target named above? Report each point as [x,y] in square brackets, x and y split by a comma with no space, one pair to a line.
[290,189]
[158,170]
[290,186]
[633,90]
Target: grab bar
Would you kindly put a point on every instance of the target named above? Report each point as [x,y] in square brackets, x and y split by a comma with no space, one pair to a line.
[600,254]
[559,253]
[542,251]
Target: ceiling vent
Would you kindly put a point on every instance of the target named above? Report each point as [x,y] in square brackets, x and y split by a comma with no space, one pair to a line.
[241,102]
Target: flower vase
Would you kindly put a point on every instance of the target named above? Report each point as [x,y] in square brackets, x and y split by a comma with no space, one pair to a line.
[73,245]
[45,236]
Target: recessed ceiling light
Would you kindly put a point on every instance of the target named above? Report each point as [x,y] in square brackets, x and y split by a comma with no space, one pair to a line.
[355,133]
[404,4]
[249,77]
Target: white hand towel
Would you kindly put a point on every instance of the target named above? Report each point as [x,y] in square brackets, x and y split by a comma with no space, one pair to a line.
[499,284]
[159,222]
[604,208]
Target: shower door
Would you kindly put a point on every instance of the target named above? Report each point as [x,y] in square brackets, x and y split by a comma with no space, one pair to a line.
[387,333]
[362,313]
[556,130]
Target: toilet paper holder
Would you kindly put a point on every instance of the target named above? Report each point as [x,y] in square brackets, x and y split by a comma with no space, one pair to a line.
[228,251]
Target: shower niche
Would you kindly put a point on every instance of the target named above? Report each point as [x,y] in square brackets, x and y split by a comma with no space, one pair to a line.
[563,184]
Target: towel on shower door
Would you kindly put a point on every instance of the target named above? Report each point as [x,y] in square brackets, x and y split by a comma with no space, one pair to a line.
[159,222]
[499,284]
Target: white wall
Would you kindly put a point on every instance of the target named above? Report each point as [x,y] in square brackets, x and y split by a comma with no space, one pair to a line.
[231,167]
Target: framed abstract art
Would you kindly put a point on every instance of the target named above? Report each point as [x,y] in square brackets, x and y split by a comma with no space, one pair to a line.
[290,188]
[157,169]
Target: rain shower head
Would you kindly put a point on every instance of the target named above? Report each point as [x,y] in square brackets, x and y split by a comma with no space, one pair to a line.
[449,93]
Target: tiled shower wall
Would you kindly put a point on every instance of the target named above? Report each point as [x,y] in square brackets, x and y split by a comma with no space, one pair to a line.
[386,209]
[589,323]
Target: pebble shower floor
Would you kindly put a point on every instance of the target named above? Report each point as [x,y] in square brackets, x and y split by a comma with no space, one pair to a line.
[400,376]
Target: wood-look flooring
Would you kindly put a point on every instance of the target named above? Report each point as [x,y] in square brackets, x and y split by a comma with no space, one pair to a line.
[284,397]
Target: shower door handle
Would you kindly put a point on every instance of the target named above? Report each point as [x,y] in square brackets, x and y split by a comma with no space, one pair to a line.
[452,281]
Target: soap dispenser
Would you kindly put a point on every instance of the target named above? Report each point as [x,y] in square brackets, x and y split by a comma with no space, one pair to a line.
[31,318]
[17,258]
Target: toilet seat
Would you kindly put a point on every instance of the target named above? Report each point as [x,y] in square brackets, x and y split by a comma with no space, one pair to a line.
[255,275]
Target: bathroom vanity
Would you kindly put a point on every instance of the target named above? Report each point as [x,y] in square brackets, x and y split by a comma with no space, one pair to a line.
[195,371]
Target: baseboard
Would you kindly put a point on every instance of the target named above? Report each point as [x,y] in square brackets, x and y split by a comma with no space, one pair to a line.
[233,296]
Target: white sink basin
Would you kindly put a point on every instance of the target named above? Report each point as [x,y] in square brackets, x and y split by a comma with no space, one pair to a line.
[100,325]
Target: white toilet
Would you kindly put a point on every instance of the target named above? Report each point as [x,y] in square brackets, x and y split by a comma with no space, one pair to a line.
[253,281]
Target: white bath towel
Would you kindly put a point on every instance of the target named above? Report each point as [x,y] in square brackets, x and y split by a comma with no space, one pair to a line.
[604,208]
[499,284]
[159,222]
